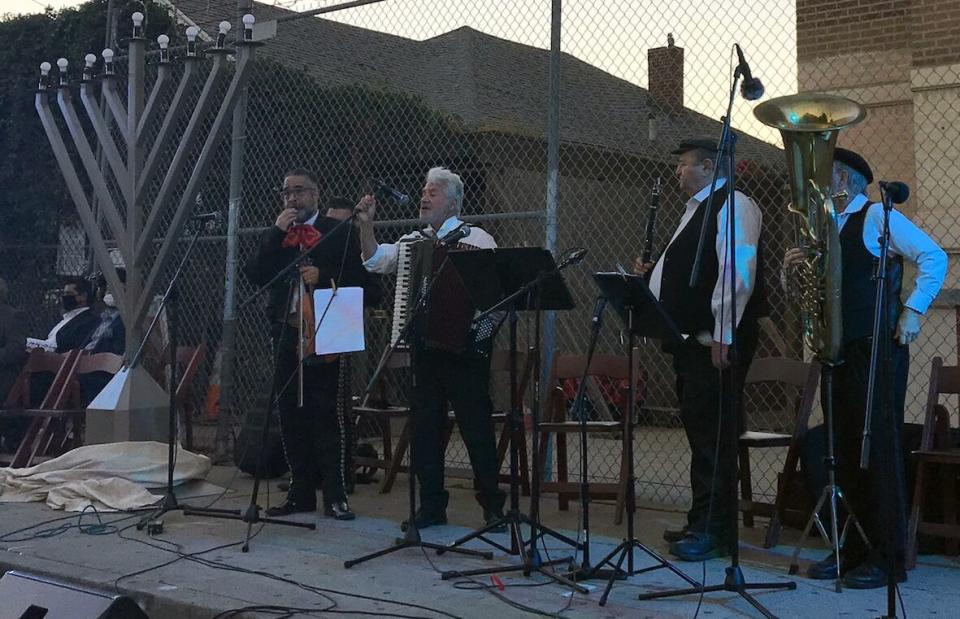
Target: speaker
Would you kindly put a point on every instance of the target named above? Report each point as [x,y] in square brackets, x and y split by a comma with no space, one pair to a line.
[28,596]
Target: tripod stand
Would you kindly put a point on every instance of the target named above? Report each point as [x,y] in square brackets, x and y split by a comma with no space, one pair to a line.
[628,294]
[168,303]
[411,537]
[533,276]
[734,581]
[832,493]
[251,515]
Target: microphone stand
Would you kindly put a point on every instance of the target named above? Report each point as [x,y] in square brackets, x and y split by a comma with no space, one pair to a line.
[734,581]
[881,360]
[168,302]
[251,515]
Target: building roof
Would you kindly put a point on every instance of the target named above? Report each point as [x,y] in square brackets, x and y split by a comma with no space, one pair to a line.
[489,84]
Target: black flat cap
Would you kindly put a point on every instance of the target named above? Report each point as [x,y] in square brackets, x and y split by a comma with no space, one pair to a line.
[855,161]
[338,202]
[695,143]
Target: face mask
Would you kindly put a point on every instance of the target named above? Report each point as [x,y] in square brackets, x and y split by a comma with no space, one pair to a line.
[108,300]
[69,302]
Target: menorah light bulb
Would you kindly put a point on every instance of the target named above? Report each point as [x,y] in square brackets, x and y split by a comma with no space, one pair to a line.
[107,54]
[88,61]
[192,32]
[62,65]
[44,75]
[248,21]
[222,36]
[164,42]
[137,19]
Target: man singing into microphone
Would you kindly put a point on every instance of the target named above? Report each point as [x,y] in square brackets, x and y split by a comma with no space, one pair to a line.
[872,494]
[703,315]
[441,376]
[313,435]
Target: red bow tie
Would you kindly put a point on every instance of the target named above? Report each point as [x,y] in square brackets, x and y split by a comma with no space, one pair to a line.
[303,236]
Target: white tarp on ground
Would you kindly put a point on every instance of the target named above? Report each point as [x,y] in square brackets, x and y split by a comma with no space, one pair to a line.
[113,476]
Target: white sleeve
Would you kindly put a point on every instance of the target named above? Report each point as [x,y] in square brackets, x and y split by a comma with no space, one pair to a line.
[909,241]
[747,237]
[384,260]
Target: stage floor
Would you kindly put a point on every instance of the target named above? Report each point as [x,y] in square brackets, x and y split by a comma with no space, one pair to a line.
[304,569]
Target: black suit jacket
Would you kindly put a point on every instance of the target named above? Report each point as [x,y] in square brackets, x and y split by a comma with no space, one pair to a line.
[340,247]
[76,333]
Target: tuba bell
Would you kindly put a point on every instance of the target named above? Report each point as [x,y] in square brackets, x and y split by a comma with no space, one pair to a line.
[809,125]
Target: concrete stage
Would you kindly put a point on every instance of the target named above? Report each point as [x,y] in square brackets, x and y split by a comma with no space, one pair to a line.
[186,589]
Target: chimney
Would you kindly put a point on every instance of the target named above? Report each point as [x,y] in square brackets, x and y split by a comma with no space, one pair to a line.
[665,76]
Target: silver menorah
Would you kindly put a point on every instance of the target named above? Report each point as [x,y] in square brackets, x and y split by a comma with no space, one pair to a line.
[123,132]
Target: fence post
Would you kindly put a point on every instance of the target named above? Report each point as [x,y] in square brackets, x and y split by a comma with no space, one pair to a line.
[553,178]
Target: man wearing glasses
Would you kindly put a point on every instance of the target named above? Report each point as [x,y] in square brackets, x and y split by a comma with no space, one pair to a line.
[312,424]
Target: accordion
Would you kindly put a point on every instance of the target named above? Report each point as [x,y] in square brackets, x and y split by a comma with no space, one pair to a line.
[444,322]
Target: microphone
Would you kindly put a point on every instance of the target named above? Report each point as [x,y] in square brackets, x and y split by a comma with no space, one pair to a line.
[898,192]
[212,216]
[456,236]
[752,88]
[401,198]
[573,256]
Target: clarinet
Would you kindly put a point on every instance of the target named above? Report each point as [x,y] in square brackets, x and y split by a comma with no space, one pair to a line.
[651,221]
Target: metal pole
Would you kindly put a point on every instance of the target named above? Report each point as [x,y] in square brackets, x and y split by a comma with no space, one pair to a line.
[553,167]
[229,336]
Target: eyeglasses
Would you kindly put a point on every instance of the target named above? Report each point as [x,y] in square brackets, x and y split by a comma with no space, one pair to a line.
[294,192]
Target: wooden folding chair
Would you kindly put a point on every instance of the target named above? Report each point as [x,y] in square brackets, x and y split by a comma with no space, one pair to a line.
[500,365]
[54,403]
[938,455]
[383,413]
[796,381]
[615,369]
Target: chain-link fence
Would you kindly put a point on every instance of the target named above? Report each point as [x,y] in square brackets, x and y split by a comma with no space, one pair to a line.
[386,91]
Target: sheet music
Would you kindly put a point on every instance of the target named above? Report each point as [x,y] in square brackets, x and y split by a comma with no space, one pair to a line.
[339,319]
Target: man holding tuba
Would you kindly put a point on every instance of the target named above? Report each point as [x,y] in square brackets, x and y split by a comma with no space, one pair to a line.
[703,315]
[871,494]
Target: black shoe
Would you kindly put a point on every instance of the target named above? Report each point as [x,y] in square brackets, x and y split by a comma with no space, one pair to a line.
[491,516]
[698,547]
[675,535]
[289,507]
[339,511]
[826,568]
[868,575]
[425,518]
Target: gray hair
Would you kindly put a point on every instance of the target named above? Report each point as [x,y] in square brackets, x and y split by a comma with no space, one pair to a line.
[452,184]
[856,182]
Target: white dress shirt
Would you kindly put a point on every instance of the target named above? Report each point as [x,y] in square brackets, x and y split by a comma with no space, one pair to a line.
[906,240]
[747,227]
[384,260]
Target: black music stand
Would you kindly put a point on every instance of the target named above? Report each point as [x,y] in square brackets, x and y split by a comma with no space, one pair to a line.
[515,279]
[643,316]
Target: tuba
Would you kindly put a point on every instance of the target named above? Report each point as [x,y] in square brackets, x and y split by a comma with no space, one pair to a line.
[809,124]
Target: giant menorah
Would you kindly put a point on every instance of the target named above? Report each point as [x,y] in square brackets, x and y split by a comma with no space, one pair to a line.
[134,152]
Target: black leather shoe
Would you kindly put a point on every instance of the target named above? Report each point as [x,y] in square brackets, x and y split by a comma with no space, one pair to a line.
[491,516]
[289,507]
[868,575]
[698,547]
[424,519]
[340,511]
[826,568]
[674,535]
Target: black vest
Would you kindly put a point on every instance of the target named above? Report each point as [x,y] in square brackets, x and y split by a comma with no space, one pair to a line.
[858,285]
[690,308]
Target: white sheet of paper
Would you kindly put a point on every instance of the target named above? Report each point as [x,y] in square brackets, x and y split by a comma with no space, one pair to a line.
[341,330]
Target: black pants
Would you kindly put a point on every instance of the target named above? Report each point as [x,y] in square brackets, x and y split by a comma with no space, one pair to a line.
[879,493]
[704,393]
[312,434]
[463,382]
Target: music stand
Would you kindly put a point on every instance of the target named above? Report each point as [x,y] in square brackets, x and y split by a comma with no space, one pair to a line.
[515,279]
[643,316]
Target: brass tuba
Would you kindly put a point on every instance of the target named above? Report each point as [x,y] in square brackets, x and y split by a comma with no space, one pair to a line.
[809,124]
